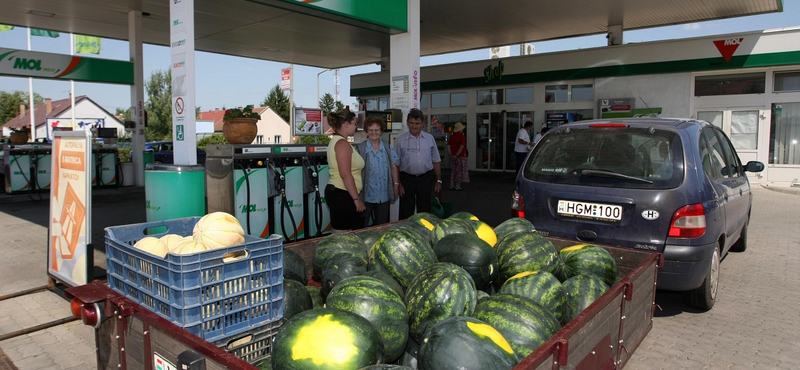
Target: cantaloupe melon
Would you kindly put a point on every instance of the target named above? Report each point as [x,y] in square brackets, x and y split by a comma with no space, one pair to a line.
[219,230]
[170,241]
[190,247]
[151,245]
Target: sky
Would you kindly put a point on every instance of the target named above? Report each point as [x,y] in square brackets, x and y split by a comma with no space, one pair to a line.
[250,80]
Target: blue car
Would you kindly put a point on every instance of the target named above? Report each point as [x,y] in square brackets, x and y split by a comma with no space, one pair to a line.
[163,152]
[675,186]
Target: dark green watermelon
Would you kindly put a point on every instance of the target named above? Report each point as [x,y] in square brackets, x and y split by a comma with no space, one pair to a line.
[369,237]
[402,254]
[430,217]
[315,292]
[582,291]
[586,259]
[470,253]
[334,244]
[521,252]
[340,267]
[384,277]
[450,226]
[439,291]
[296,299]
[294,267]
[540,286]
[524,323]
[513,225]
[462,342]
[484,232]
[326,339]
[386,367]
[375,301]
[463,215]
[482,295]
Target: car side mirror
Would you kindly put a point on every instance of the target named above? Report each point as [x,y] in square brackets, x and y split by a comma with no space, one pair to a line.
[754,166]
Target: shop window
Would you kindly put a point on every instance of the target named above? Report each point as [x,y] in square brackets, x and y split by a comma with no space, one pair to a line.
[490,97]
[744,129]
[582,92]
[440,100]
[458,99]
[556,93]
[519,95]
[424,102]
[743,83]
[383,103]
[371,104]
[783,134]
[787,81]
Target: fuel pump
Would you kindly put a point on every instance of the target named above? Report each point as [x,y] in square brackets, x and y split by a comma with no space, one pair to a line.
[287,204]
[318,174]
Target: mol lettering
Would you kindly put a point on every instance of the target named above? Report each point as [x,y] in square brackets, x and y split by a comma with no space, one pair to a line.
[29,64]
[733,41]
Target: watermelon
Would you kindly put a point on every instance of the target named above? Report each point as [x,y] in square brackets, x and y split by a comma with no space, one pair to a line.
[294,267]
[386,367]
[340,267]
[439,291]
[586,259]
[482,295]
[484,231]
[375,301]
[369,237]
[470,253]
[334,244]
[513,225]
[317,301]
[462,342]
[521,252]
[326,338]
[541,287]
[582,291]
[402,254]
[430,217]
[524,323]
[296,299]
[463,215]
[424,230]
[451,226]
[384,277]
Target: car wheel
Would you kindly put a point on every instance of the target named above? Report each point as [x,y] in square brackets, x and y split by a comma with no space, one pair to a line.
[741,244]
[705,296]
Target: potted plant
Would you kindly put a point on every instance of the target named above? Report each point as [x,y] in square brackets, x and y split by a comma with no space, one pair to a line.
[240,125]
[126,166]
[19,136]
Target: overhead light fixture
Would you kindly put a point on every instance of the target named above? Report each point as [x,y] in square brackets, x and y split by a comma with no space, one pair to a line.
[41,13]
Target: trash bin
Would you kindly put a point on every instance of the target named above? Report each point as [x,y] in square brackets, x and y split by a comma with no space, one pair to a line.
[174,191]
[148,156]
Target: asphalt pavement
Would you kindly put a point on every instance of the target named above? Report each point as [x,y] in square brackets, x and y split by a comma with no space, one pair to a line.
[754,324]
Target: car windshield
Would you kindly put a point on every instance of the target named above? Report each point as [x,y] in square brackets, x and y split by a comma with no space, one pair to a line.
[643,158]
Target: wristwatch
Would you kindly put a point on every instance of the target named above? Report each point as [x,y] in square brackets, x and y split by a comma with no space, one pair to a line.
[439,181]
[397,183]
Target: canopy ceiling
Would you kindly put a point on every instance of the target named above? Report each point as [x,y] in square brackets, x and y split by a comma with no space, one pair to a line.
[277,30]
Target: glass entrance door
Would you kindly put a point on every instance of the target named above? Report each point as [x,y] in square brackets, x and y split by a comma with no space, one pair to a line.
[497,133]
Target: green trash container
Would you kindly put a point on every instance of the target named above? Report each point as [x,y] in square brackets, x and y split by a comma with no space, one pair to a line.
[148,156]
[174,191]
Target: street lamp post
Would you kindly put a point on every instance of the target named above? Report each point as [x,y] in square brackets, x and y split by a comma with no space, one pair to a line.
[318,84]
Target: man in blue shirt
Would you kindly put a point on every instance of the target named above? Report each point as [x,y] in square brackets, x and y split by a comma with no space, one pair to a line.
[419,166]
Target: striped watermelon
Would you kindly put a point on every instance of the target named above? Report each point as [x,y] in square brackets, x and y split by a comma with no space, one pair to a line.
[470,253]
[386,367]
[420,226]
[523,322]
[402,254]
[439,291]
[541,287]
[513,225]
[326,338]
[369,237]
[316,296]
[296,298]
[375,301]
[482,295]
[484,231]
[430,217]
[521,252]
[464,215]
[340,267]
[586,259]
[451,226]
[294,267]
[461,342]
[384,277]
[334,244]
[581,291]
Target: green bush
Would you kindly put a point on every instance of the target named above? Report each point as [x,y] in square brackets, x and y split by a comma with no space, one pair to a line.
[217,138]
[124,154]
[324,139]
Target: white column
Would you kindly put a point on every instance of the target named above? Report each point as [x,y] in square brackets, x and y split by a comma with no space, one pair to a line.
[184,127]
[614,35]
[404,66]
[137,93]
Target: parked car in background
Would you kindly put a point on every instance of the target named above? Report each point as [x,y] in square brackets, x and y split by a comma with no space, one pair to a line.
[676,186]
[163,152]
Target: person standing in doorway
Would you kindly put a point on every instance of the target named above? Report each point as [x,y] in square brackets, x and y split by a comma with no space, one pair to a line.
[380,177]
[420,167]
[457,145]
[344,186]
[523,144]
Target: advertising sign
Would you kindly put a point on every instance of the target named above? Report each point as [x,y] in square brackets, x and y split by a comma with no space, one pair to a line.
[616,108]
[307,122]
[183,81]
[23,63]
[62,124]
[69,253]
[286,79]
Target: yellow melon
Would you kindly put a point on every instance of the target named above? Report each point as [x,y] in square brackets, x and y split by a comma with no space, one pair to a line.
[151,245]
[219,230]
[190,247]
[485,232]
[170,241]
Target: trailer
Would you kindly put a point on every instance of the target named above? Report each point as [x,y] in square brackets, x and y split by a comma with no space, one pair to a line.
[604,336]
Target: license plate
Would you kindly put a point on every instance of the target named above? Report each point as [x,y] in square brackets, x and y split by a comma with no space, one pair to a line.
[596,211]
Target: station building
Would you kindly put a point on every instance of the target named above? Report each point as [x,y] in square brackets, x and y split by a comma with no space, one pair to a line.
[747,83]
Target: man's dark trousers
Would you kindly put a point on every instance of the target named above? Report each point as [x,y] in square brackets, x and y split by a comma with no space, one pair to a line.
[417,194]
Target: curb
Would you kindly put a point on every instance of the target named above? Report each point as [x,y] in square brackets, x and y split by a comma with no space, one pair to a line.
[786,189]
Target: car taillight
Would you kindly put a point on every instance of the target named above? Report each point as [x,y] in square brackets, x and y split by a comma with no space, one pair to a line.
[688,222]
[89,313]
[517,205]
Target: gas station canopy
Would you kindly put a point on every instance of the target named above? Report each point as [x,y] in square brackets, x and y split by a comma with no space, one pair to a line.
[293,32]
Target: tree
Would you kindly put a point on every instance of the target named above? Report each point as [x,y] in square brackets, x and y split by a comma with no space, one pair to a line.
[159,106]
[10,101]
[278,101]
[327,104]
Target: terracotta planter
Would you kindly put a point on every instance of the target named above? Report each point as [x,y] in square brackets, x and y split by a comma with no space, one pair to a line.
[18,138]
[240,130]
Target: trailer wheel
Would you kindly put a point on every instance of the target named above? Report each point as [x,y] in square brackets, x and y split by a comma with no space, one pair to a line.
[705,296]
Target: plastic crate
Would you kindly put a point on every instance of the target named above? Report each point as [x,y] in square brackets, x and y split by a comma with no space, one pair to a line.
[252,346]
[213,294]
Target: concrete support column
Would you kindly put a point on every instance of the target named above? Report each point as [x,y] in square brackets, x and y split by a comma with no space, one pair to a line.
[184,128]
[137,93]
[614,35]
[404,73]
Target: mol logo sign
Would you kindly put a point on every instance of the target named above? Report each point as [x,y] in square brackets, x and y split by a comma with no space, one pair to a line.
[728,46]
[28,64]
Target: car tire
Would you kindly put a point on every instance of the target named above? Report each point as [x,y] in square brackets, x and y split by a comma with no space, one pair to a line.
[741,244]
[705,296]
